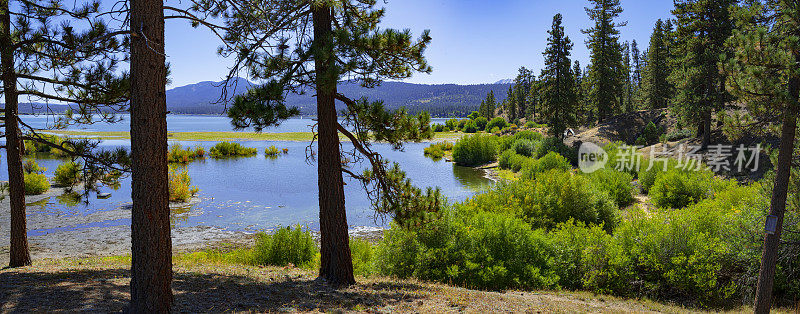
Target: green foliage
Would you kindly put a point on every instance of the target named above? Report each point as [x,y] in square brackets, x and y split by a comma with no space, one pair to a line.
[488,105]
[286,246]
[481,123]
[524,147]
[473,115]
[273,151]
[363,254]
[34,147]
[678,189]
[231,149]
[31,166]
[497,122]
[462,123]
[438,127]
[67,174]
[437,150]
[551,161]
[475,150]
[617,184]
[476,250]
[513,161]
[36,183]
[648,174]
[553,197]
[451,124]
[178,154]
[180,185]
[679,135]
[557,86]
[657,90]
[554,144]
[470,127]
[606,71]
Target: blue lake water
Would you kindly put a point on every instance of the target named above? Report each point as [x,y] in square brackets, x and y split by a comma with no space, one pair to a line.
[256,193]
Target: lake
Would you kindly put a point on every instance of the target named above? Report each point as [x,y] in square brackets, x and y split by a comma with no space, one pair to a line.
[258,193]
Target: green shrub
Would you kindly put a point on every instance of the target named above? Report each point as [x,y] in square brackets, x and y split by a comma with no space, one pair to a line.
[551,161]
[470,127]
[31,166]
[475,250]
[451,124]
[534,125]
[232,149]
[363,254]
[513,161]
[178,154]
[678,189]
[481,123]
[462,123]
[553,197]
[285,246]
[67,174]
[647,177]
[554,144]
[36,183]
[33,147]
[524,147]
[473,115]
[679,135]
[180,185]
[571,241]
[475,150]
[272,151]
[497,122]
[650,134]
[434,151]
[438,127]
[617,184]
[495,130]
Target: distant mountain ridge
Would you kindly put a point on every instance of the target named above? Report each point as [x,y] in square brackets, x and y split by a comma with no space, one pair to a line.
[438,99]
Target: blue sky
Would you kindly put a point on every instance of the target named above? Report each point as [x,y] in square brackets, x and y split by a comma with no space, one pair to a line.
[474,41]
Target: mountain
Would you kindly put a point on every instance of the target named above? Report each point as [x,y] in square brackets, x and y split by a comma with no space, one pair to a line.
[438,99]
[505,81]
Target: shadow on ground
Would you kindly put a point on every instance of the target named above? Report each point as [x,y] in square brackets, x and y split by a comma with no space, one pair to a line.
[107,290]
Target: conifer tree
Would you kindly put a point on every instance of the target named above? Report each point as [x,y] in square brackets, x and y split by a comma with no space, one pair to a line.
[558,83]
[627,93]
[657,89]
[53,52]
[765,74]
[703,26]
[522,87]
[581,114]
[510,105]
[606,71]
[636,76]
[488,106]
[312,45]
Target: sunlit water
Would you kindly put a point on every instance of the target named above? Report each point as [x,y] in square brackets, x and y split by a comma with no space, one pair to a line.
[257,193]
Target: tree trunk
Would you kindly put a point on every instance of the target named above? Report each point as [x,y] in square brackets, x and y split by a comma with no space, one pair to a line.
[151,269]
[336,264]
[706,129]
[777,204]
[20,255]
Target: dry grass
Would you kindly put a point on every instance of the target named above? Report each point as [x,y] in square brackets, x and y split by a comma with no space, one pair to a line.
[101,284]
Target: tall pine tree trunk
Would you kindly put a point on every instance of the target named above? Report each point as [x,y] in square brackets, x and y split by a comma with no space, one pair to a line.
[151,269]
[20,255]
[777,204]
[336,264]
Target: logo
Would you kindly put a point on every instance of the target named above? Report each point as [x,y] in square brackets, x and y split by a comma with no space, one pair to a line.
[591,157]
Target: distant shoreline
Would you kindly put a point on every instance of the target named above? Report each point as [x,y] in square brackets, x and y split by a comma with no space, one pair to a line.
[220,136]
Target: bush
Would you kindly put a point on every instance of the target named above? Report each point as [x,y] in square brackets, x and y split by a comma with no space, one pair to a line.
[473,115]
[31,166]
[437,150]
[678,189]
[553,197]
[438,127]
[679,135]
[180,185]
[497,122]
[178,154]
[650,134]
[513,161]
[524,147]
[272,151]
[231,149]
[475,150]
[285,246]
[551,161]
[617,184]
[363,255]
[554,144]
[647,177]
[481,123]
[475,250]
[470,127]
[33,147]
[495,130]
[67,174]
[462,123]
[451,124]
[36,183]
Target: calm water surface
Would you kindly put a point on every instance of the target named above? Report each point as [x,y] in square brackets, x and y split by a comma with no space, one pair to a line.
[256,193]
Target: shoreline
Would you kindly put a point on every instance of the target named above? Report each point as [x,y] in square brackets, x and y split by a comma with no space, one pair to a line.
[223,136]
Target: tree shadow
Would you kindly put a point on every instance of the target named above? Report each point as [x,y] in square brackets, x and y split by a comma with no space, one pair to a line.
[108,290]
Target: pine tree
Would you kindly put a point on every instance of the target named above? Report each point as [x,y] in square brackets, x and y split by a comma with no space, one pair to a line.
[702,28]
[627,93]
[657,89]
[636,78]
[765,73]
[581,114]
[72,61]
[558,83]
[301,45]
[488,106]
[606,71]
[510,105]
[522,87]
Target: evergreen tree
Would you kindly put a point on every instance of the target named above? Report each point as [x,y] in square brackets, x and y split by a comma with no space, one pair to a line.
[627,93]
[581,115]
[522,87]
[53,52]
[606,71]
[703,26]
[510,105]
[765,74]
[657,89]
[309,44]
[636,78]
[488,106]
[558,83]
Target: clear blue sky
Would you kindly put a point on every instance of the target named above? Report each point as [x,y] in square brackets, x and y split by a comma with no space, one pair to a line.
[474,41]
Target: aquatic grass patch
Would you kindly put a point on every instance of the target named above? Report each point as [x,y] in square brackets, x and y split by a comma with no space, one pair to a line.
[438,150]
[183,155]
[231,149]
[473,150]
[180,185]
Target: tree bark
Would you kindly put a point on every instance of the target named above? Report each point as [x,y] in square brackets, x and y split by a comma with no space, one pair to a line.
[769,256]
[336,264]
[151,269]
[20,254]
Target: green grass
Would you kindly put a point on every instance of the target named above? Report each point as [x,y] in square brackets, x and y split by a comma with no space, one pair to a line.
[219,136]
